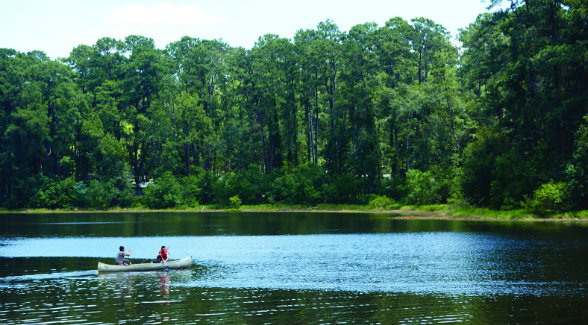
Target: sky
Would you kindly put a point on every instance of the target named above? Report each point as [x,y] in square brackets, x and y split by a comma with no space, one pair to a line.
[57,26]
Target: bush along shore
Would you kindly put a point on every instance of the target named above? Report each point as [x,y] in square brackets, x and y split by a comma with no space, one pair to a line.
[254,191]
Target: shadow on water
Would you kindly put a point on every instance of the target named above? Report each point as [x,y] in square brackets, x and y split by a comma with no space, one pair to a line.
[16,267]
[249,223]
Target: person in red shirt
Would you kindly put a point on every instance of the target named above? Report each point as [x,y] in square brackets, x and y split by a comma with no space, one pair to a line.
[163,255]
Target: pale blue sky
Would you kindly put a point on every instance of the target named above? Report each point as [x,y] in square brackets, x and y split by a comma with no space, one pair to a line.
[57,26]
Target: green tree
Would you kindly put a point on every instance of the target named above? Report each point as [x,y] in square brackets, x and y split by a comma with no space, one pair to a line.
[423,187]
[165,192]
[141,83]
[577,171]
[358,85]
[526,67]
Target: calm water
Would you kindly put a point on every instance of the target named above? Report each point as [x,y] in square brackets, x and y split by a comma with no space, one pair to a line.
[292,268]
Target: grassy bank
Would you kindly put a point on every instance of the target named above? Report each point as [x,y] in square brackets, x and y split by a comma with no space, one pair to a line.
[431,211]
[461,212]
[438,211]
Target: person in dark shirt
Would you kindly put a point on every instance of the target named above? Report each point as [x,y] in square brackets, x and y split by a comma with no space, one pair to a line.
[120,257]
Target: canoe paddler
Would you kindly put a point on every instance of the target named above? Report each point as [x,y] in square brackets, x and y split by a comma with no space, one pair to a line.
[163,256]
[120,257]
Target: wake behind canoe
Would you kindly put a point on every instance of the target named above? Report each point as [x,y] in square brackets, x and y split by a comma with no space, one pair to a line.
[177,264]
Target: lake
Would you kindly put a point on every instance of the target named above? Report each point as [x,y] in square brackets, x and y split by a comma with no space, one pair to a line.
[292,268]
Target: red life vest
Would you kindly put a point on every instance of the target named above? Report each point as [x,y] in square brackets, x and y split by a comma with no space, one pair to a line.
[163,254]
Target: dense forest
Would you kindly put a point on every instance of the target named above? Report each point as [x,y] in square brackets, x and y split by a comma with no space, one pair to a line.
[396,113]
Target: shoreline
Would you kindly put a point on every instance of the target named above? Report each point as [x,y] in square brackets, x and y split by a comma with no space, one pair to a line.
[399,214]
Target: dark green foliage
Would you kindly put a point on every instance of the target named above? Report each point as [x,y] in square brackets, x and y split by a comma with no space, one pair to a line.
[56,194]
[494,174]
[513,177]
[221,192]
[23,192]
[302,185]
[394,188]
[251,185]
[166,192]
[576,173]
[327,117]
[206,195]
[190,190]
[526,69]
[341,189]
[107,194]
[479,163]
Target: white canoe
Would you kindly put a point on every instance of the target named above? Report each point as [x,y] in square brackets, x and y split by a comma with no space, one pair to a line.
[176,264]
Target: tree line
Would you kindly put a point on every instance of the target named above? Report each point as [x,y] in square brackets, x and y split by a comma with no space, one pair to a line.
[390,113]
